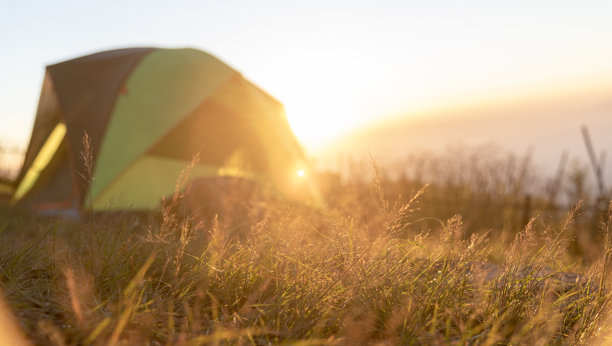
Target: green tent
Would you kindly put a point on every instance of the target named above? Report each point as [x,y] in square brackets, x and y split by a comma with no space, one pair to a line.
[147,112]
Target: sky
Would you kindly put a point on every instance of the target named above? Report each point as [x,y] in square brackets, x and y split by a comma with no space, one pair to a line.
[335,65]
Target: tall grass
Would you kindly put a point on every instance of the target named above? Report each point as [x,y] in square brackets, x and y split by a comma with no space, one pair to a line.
[360,272]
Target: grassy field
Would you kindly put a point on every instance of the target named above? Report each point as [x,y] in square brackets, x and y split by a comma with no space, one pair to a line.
[385,263]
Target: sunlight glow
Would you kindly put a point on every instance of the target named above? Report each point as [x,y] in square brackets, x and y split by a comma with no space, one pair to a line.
[341,75]
[337,66]
[301,173]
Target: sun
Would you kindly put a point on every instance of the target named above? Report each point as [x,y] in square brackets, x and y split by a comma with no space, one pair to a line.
[320,111]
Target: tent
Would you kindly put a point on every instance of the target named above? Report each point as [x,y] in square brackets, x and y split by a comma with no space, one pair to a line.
[146,113]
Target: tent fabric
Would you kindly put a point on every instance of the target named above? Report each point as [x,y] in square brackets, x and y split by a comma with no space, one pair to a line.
[136,187]
[47,118]
[163,89]
[80,85]
[45,155]
[194,135]
[56,188]
[147,112]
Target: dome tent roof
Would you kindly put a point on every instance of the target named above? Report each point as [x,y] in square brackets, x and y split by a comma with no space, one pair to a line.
[147,112]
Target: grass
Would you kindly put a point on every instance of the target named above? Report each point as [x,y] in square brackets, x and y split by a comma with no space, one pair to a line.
[367,270]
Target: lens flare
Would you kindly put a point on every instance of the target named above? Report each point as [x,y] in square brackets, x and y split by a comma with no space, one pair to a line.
[301,173]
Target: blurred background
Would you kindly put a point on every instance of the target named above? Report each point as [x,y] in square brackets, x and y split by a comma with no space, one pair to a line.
[392,79]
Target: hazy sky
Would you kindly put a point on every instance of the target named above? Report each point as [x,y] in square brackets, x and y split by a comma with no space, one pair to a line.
[334,64]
